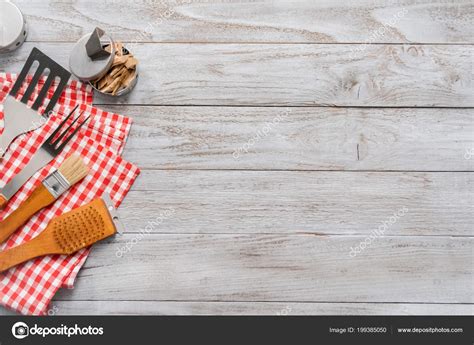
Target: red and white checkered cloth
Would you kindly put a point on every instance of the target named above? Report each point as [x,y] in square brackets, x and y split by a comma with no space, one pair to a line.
[28,288]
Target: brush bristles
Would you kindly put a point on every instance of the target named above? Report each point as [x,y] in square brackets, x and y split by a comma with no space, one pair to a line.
[74,169]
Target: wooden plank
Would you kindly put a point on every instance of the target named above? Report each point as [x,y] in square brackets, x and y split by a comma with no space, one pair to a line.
[248,308]
[307,21]
[285,75]
[293,202]
[277,268]
[266,138]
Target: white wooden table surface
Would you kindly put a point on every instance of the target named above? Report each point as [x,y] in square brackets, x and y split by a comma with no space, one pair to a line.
[359,132]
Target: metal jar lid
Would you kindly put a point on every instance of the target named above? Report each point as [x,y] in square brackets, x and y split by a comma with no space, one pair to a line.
[89,62]
[13,29]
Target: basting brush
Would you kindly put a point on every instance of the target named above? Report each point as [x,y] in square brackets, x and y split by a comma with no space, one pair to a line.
[65,234]
[68,174]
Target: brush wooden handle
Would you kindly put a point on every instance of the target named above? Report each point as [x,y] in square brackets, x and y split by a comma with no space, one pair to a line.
[3,202]
[26,251]
[39,199]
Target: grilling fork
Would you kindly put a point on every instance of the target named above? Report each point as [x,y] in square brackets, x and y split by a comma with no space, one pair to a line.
[18,117]
[46,153]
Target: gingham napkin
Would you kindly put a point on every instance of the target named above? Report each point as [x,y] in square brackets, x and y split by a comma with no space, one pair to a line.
[28,288]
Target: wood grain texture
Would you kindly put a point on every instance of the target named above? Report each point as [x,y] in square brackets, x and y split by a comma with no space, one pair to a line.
[340,21]
[286,75]
[266,233]
[291,202]
[249,308]
[267,138]
[277,268]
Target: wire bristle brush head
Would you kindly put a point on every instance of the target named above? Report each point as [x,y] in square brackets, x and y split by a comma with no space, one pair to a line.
[74,169]
[82,227]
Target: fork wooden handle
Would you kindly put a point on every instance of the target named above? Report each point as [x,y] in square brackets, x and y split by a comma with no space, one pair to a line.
[39,199]
[3,202]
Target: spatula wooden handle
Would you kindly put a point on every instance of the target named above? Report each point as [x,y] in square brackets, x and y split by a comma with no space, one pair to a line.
[24,252]
[39,199]
[3,202]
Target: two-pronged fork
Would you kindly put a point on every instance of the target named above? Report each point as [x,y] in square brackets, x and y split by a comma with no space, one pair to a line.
[46,153]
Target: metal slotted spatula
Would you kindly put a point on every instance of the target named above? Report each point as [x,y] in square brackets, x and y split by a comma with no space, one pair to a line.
[19,118]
